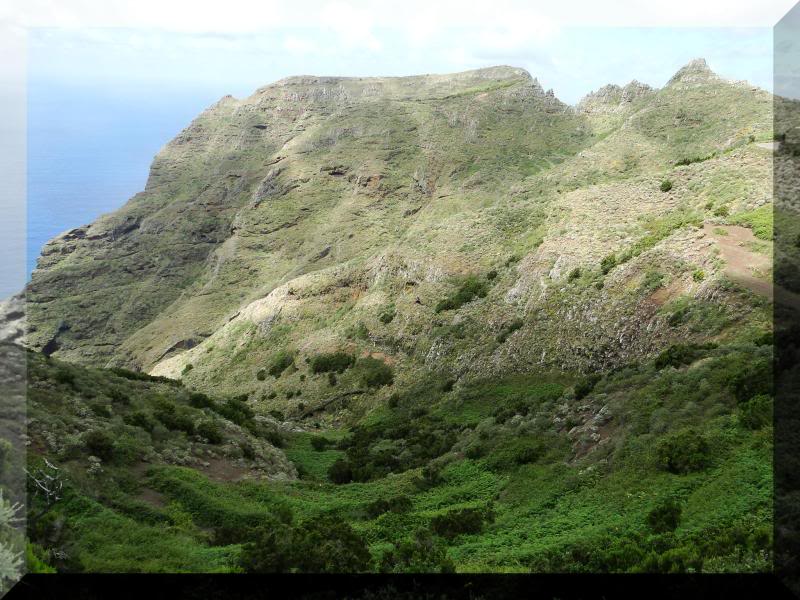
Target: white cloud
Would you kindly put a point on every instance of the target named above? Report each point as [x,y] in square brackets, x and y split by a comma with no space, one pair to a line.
[419,19]
[298,45]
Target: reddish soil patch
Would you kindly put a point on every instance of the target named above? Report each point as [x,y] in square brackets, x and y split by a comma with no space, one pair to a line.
[741,264]
[661,295]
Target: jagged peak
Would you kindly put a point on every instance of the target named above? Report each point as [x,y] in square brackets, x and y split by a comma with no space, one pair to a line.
[612,96]
[696,71]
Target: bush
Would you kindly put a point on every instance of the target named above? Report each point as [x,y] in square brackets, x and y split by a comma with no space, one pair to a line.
[320,443]
[422,554]
[514,452]
[699,275]
[460,522]
[471,288]
[398,504]
[340,472]
[756,412]
[332,381]
[608,263]
[140,418]
[574,274]
[682,452]
[324,545]
[374,373]
[679,355]
[666,185]
[237,411]
[99,444]
[172,418]
[585,385]
[491,275]
[65,375]
[261,375]
[210,431]
[665,517]
[387,316]
[187,368]
[333,362]
[200,400]
[280,362]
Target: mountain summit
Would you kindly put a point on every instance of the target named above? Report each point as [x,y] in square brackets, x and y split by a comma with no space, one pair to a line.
[695,72]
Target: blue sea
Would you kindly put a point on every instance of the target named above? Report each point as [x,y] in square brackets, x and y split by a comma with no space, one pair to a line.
[89,150]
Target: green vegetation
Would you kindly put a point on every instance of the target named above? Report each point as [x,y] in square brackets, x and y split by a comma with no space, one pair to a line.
[759,220]
[526,417]
[470,289]
[280,362]
[474,478]
[373,372]
[335,362]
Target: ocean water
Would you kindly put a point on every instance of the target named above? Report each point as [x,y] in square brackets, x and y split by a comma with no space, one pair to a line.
[89,150]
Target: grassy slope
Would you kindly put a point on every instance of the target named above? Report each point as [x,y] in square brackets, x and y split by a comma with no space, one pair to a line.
[554,511]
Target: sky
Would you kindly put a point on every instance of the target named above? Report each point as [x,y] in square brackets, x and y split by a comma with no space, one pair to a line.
[90,89]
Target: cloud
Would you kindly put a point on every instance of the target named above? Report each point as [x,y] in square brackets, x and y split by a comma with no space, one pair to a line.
[299,45]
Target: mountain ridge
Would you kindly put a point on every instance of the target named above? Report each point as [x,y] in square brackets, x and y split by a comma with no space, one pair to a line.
[327,182]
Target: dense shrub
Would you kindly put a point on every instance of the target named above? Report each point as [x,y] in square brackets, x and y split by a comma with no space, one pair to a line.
[332,381]
[374,373]
[585,385]
[756,412]
[140,418]
[752,378]
[422,554]
[471,288]
[682,452]
[210,431]
[515,452]
[665,516]
[280,362]
[333,362]
[237,411]
[99,443]
[172,417]
[608,263]
[65,375]
[679,355]
[460,522]
[387,316]
[398,504]
[187,368]
[340,471]
[666,185]
[323,545]
[320,443]
[141,376]
[261,374]
[200,400]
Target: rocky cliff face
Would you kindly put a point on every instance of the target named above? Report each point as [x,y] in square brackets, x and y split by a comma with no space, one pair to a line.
[301,217]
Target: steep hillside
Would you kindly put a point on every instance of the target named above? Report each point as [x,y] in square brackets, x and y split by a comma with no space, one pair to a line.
[325,214]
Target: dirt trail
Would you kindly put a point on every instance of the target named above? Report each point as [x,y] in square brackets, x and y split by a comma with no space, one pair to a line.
[742,265]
